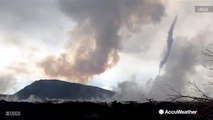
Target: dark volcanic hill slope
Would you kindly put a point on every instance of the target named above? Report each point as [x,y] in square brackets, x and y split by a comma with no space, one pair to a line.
[55,89]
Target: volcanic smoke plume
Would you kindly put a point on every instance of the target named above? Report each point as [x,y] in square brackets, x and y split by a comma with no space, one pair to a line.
[94,43]
[169,44]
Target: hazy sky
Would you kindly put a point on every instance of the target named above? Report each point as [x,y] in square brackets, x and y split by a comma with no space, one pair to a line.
[103,43]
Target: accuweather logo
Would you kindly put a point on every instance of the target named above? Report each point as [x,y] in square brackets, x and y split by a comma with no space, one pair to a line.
[175,112]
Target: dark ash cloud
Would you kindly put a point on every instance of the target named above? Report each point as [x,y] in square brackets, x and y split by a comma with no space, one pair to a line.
[169,44]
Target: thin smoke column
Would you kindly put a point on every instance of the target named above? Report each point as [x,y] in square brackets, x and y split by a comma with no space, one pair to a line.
[169,45]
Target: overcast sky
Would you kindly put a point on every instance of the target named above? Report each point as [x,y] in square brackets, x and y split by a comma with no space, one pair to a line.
[103,43]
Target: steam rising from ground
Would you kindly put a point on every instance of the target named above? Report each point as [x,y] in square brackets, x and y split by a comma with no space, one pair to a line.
[94,43]
[178,71]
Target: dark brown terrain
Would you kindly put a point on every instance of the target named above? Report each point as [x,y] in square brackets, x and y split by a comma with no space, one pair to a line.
[102,110]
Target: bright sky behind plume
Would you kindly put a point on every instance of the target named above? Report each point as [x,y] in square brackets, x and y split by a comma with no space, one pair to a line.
[31,31]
